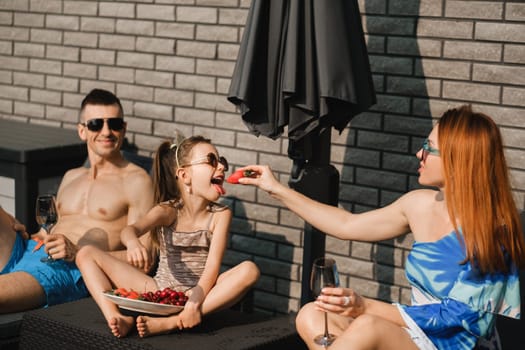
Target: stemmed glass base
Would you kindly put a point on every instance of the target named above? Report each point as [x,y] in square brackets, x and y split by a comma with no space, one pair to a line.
[324,274]
[48,259]
[325,339]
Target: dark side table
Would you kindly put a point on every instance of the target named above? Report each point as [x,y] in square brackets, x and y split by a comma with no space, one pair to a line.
[30,153]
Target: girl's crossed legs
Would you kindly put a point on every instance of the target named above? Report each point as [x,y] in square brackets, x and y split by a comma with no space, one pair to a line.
[230,288]
[104,269]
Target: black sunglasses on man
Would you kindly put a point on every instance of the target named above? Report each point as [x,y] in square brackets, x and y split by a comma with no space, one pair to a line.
[115,124]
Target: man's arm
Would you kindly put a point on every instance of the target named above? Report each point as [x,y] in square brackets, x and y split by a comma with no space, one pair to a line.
[63,247]
[139,191]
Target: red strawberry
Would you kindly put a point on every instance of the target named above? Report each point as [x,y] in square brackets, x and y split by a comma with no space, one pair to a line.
[133,295]
[123,292]
[234,178]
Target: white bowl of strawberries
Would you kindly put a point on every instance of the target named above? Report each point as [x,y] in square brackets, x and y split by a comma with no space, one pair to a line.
[160,302]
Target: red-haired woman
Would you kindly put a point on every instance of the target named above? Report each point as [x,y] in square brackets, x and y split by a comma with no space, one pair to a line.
[463,266]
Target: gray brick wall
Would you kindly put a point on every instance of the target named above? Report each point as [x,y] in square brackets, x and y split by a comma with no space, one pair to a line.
[170,61]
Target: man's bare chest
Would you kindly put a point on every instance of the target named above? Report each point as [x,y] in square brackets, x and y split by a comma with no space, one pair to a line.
[99,199]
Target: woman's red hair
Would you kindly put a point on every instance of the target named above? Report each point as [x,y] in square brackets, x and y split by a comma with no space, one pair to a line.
[478,190]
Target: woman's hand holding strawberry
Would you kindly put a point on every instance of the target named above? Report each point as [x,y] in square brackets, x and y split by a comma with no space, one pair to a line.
[264,178]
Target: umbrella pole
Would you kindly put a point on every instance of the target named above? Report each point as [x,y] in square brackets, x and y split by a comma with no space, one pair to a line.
[313,176]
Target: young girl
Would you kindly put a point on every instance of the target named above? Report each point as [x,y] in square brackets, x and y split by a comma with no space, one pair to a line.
[463,264]
[192,231]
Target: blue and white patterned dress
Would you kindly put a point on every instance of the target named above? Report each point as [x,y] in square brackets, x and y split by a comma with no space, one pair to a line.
[453,305]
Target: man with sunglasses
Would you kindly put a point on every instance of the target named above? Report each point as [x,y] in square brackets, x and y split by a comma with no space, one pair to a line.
[94,204]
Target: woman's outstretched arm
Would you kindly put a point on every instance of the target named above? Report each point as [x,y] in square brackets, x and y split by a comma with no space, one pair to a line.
[374,225]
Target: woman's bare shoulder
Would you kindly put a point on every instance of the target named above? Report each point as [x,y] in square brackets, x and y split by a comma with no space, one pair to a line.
[419,199]
[421,203]
[422,194]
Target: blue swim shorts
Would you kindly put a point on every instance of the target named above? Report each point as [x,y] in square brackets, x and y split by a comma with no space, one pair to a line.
[61,280]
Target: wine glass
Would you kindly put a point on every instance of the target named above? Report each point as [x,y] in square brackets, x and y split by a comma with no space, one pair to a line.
[46,216]
[324,274]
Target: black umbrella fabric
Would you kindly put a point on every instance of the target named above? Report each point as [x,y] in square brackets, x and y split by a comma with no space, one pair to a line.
[301,64]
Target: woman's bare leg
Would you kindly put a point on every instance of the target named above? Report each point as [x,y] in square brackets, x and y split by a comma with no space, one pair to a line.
[374,333]
[99,269]
[310,323]
[365,332]
[230,288]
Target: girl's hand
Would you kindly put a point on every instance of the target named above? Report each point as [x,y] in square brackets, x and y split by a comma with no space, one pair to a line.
[190,316]
[137,255]
[342,301]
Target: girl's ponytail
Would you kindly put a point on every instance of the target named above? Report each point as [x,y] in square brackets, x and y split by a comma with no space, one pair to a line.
[164,177]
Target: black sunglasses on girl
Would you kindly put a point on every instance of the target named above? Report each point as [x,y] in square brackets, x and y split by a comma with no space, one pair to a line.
[210,159]
[115,124]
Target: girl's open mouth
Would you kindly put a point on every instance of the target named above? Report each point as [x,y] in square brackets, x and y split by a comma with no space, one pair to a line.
[217,183]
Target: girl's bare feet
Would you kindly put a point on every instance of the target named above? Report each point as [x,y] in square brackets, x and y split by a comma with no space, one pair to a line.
[120,326]
[148,326]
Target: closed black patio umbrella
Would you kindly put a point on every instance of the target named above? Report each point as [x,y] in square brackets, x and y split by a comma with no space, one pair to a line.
[303,66]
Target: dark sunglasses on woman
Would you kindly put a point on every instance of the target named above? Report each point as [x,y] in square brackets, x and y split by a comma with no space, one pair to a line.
[115,124]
